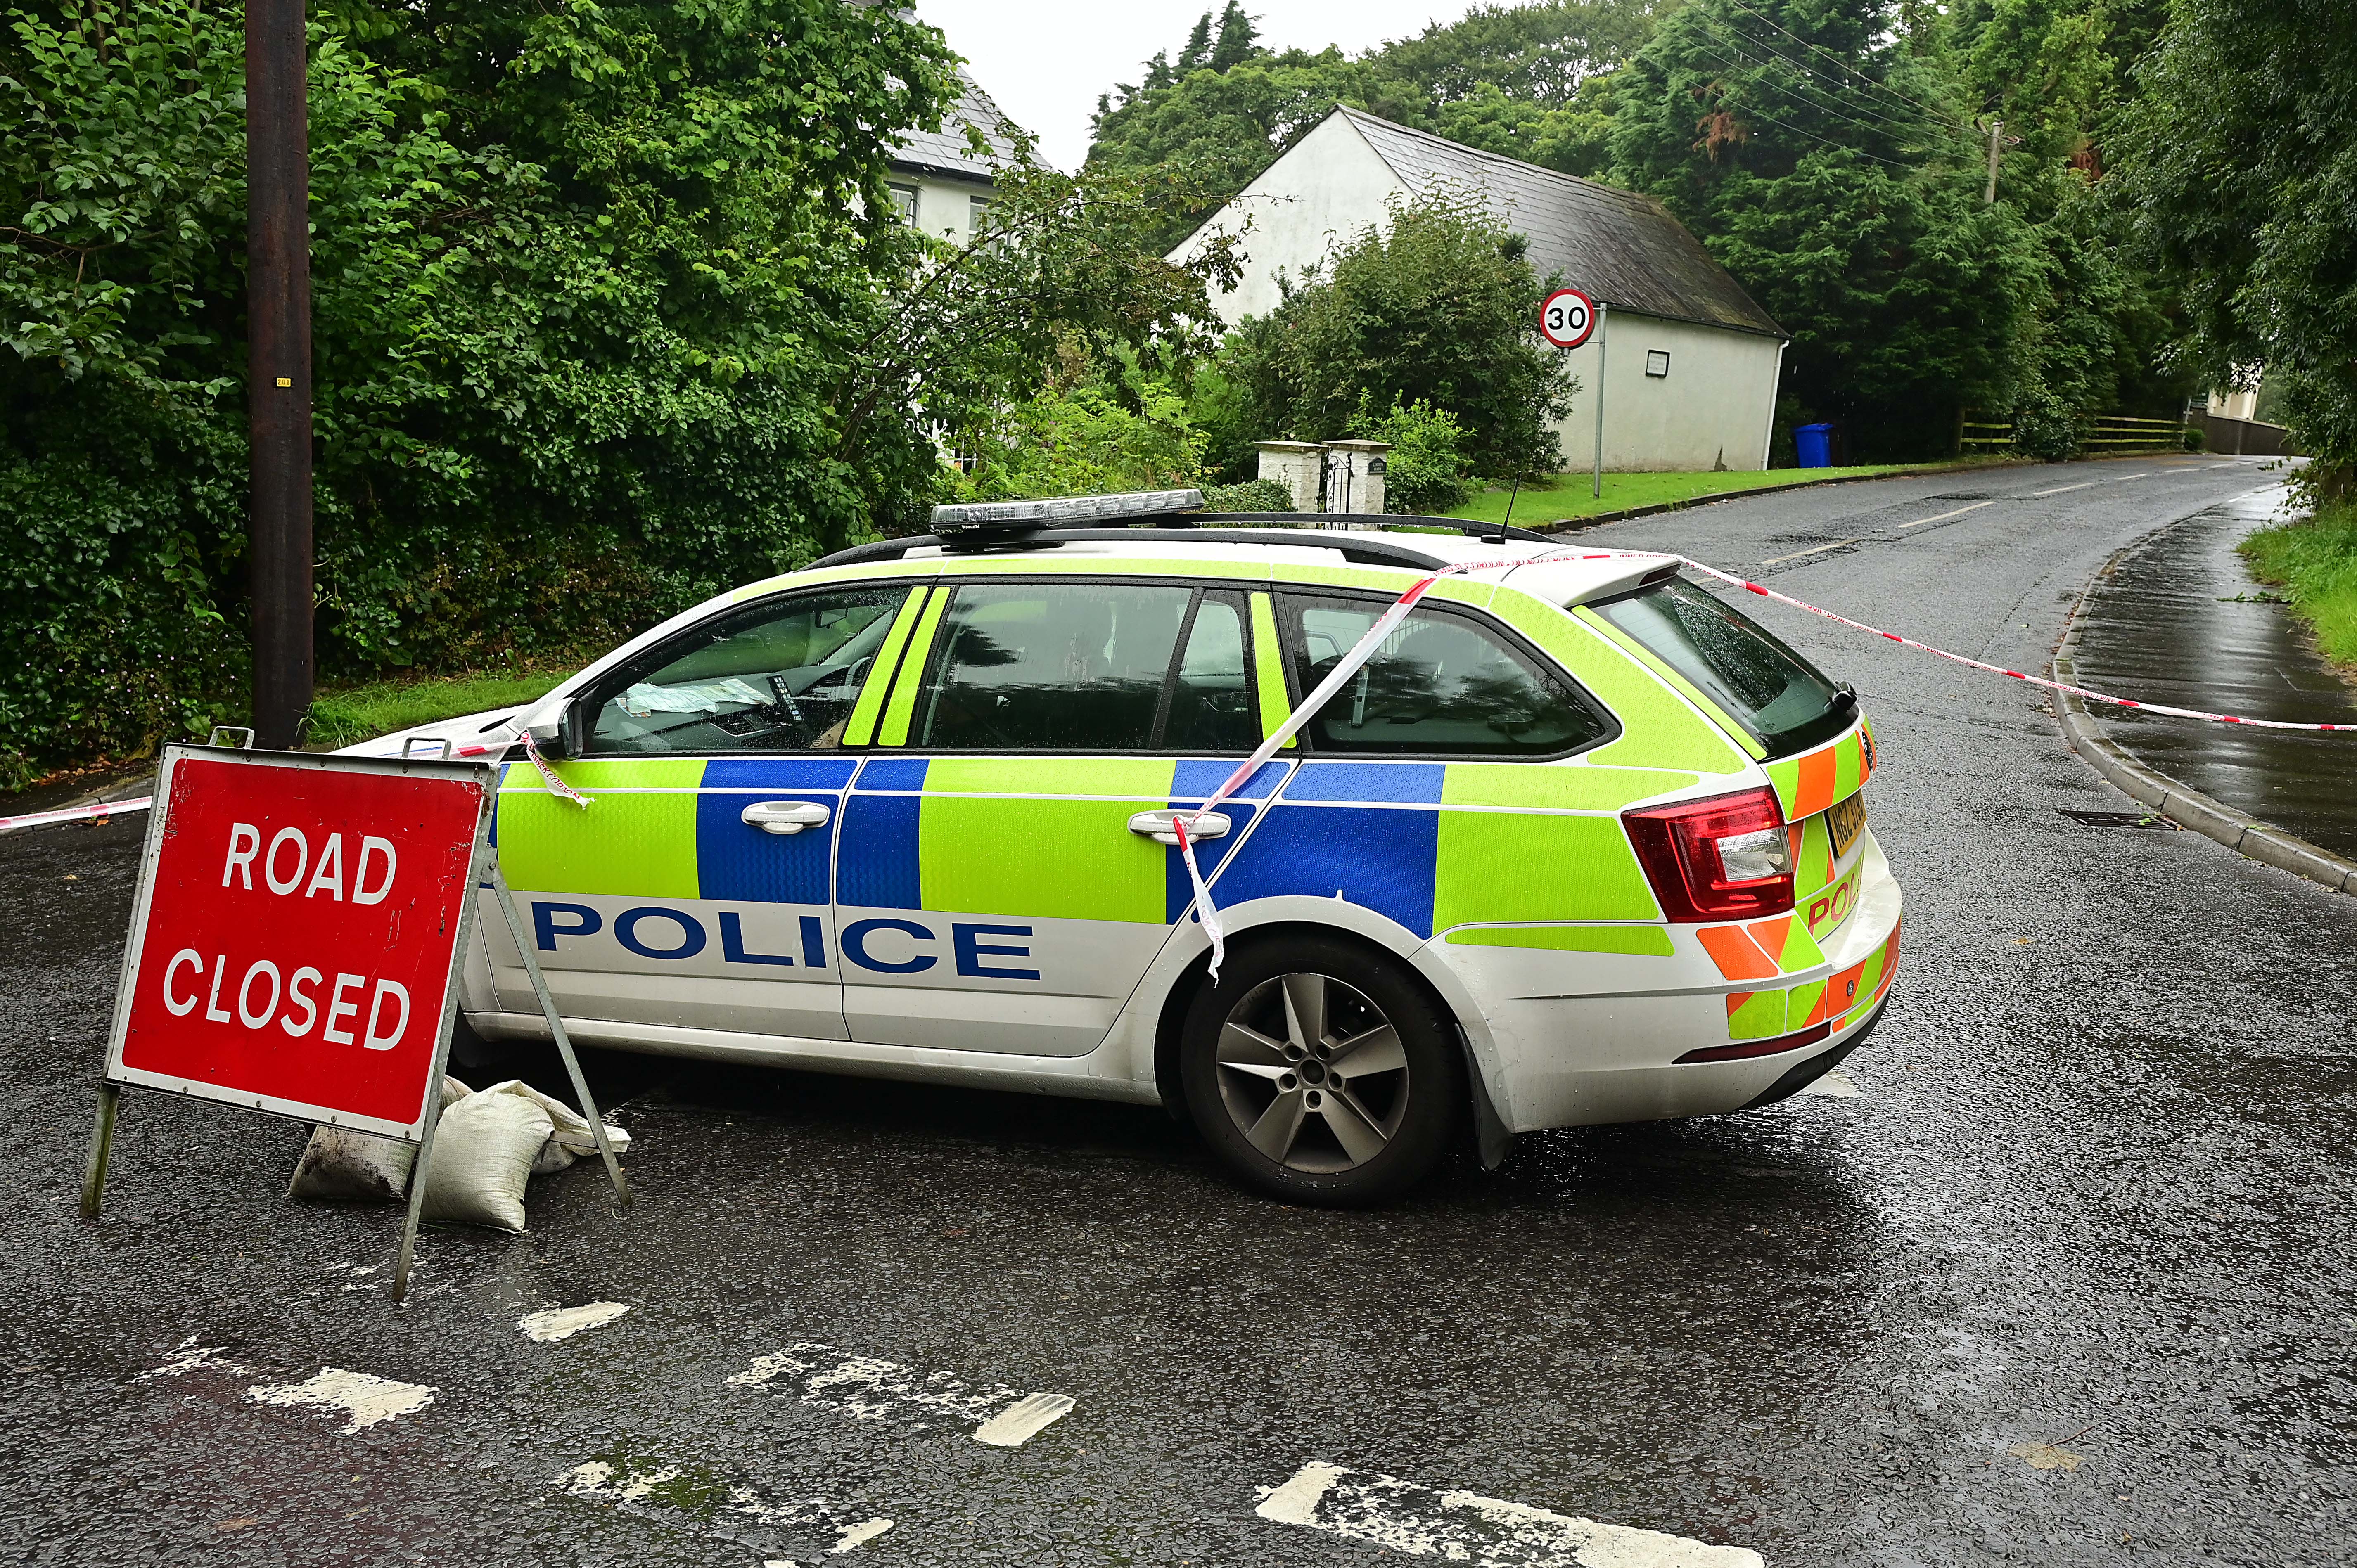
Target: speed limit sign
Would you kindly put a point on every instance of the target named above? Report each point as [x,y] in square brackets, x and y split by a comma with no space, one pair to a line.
[1565,318]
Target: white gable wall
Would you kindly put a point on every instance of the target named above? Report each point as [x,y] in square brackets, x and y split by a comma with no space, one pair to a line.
[1328,187]
[1712,408]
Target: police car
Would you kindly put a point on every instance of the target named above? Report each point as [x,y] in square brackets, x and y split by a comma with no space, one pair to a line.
[1578,843]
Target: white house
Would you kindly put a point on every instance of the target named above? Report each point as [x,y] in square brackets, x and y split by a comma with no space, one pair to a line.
[1689,361]
[939,182]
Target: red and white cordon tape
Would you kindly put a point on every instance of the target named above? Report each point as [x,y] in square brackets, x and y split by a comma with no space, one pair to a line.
[2000,669]
[101,809]
[1336,678]
[1384,626]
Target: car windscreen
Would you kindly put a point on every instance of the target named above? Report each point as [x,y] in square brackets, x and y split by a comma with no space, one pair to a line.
[1782,699]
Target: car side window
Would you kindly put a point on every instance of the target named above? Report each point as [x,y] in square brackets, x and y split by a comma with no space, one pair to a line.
[1210,697]
[1082,665]
[778,677]
[1442,685]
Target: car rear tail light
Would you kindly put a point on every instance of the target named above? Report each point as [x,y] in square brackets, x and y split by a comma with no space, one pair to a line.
[1726,858]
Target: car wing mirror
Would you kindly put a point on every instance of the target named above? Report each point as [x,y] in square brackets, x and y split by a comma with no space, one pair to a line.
[557,726]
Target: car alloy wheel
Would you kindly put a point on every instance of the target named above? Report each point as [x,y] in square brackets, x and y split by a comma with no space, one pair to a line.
[1312,1073]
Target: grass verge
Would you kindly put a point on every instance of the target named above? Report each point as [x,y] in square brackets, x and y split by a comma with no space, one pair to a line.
[2315,563]
[1566,495]
[356,713]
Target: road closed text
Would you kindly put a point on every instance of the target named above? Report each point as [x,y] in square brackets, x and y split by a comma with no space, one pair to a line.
[305,1000]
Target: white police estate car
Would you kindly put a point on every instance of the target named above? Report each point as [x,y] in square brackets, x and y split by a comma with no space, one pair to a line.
[1578,843]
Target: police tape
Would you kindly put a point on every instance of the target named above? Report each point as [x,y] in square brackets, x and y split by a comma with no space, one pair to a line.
[557,786]
[1335,680]
[2091,696]
[1390,619]
[99,811]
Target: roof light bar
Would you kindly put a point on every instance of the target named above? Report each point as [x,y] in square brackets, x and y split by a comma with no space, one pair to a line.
[972,516]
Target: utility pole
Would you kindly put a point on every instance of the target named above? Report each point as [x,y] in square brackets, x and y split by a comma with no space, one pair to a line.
[1989,198]
[278,365]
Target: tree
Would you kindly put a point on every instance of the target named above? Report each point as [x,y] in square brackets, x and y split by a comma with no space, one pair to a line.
[1438,307]
[2240,177]
[1239,38]
[1197,53]
[608,316]
[1833,169]
[1526,82]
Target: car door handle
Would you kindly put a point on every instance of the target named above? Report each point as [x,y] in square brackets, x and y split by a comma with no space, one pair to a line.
[1201,825]
[785,816]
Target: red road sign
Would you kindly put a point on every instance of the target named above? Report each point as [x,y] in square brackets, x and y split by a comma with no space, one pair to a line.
[296,932]
[1565,318]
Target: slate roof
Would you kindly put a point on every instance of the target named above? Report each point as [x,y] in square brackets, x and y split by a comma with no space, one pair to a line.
[1615,245]
[946,151]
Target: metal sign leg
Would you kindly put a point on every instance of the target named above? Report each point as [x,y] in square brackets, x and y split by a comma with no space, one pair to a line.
[101,1149]
[417,1177]
[564,1042]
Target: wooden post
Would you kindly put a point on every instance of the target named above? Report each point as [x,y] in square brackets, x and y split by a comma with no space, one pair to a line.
[101,1148]
[278,393]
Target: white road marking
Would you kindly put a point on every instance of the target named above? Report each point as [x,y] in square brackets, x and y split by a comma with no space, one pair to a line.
[1835,1085]
[871,1390]
[2063,489]
[366,1399]
[631,1483]
[1946,515]
[1818,550]
[187,1357]
[564,1322]
[1018,1422]
[1462,1527]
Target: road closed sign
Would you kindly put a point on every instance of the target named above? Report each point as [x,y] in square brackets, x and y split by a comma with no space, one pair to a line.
[295,937]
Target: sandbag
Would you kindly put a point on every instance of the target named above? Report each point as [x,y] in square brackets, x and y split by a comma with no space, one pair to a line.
[570,1137]
[483,1156]
[341,1165]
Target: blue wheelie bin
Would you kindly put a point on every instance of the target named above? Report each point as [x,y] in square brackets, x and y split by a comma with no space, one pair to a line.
[1814,442]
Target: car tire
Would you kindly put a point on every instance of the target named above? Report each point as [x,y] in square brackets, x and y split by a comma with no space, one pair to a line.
[1321,1072]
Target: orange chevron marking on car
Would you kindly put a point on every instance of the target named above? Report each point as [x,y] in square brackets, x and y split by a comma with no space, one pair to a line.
[1770,933]
[1737,955]
[1816,788]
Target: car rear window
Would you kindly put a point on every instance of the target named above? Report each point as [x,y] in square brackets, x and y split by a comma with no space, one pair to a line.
[1785,701]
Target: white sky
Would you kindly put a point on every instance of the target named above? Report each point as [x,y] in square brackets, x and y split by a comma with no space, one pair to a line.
[1046,60]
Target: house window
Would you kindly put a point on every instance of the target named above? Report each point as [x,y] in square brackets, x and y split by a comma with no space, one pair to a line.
[1657,362]
[904,201]
[975,207]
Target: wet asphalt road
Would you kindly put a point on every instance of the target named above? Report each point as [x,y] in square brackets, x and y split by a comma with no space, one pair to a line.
[2094,1191]
[2179,613]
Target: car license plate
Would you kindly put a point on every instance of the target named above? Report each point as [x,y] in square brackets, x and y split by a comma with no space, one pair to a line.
[1843,819]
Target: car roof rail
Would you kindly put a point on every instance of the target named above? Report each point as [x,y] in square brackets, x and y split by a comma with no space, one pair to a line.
[1202,528]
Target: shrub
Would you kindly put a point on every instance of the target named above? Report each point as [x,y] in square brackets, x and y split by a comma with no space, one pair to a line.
[1080,440]
[1253,495]
[2043,427]
[1427,470]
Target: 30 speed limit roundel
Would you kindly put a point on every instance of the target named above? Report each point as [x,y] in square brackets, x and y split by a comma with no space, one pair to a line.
[1565,318]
